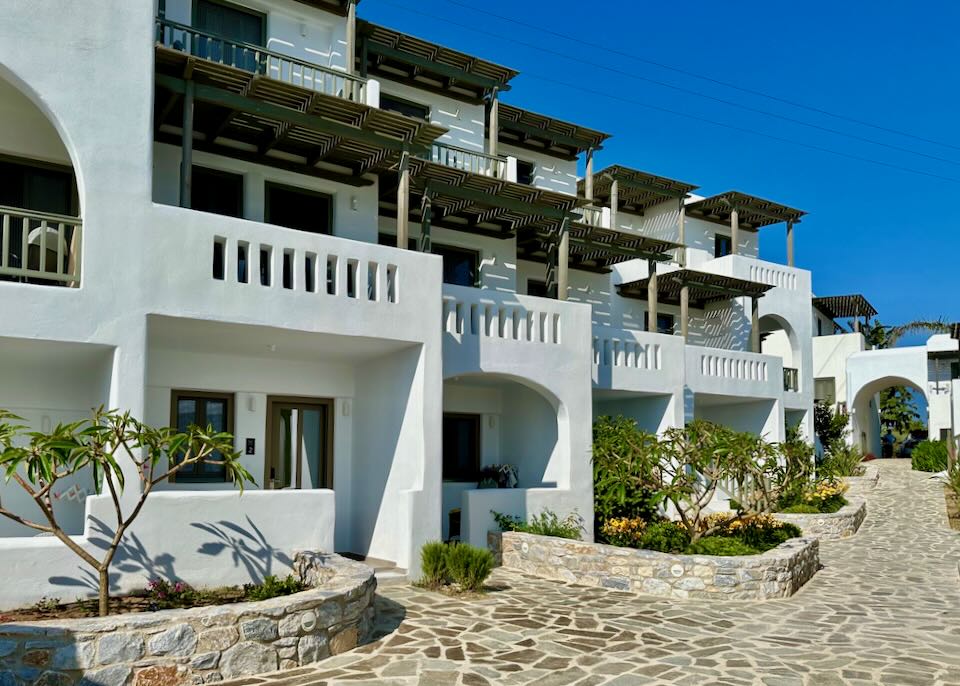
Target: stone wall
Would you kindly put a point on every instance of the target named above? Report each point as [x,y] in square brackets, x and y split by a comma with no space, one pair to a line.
[777,573]
[831,525]
[198,645]
[862,485]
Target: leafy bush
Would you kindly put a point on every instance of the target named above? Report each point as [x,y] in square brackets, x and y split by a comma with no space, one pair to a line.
[721,545]
[801,508]
[666,537]
[929,456]
[272,587]
[623,531]
[547,523]
[468,565]
[760,532]
[170,594]
[625,462]
[841,461]
[953,479]
[829,425]
[433,562]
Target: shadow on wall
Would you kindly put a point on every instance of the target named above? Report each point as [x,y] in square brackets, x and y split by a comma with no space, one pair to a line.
[247,547]
[723,325]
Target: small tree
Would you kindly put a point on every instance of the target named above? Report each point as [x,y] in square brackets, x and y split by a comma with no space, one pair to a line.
[697,459]
[625,464]
[830,425]
[101,443]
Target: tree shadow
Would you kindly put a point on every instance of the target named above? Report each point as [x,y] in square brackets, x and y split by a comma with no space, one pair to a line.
[247,548]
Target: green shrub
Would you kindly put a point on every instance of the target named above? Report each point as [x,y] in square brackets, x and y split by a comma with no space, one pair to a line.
[666,537]
[801,508]
[433,562]
[841,461]
[929,456]
[547,523]
[953,479]
[468,566]
[272,587]
[764,536]
[720,545]
[624,471]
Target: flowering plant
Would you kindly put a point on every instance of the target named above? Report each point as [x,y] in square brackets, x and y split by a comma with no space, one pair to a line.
[168,593]
[624,531]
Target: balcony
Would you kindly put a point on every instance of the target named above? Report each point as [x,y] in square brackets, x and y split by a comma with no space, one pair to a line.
[39,248]
[760,271]
[733,373]
[263,62]
[638,361]
[491,331]
[235,270]
[494,166]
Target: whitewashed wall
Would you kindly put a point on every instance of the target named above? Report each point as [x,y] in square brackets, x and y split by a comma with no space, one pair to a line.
[549,172]
[466,122]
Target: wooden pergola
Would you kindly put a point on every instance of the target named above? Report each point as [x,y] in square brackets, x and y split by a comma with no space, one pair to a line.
[846,307]
[247,114]
[748,212]
[430,66]
[688,287]
[540,133]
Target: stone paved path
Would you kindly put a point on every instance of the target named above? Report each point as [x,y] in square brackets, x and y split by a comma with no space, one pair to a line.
[885,609]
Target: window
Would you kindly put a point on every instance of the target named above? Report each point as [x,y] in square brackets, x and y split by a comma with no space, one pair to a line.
[955,370]
[38,187]
[236,25]
[406,107]
[722,245]
[460,266]
[819,326]
[297,208]
[526,172]
[217,191]
[825,390]
[201,409]
[461,447]
[665,322]
[944,435]
[537,288]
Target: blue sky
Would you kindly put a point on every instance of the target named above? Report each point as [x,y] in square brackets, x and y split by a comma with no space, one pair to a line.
[873,229]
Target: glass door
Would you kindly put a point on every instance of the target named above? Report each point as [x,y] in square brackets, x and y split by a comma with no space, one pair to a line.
[299,435]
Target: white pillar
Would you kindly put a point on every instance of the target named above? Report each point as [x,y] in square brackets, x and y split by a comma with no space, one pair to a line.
[588,177]
[755,324]
[351,41]
[614,202]
[563,260]
[685,312]
[790,243]
[403,202]
[682,234]
[652,296]
[493,126]
[734,231]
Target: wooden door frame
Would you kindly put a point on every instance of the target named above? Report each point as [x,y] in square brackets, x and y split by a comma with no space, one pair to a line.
[307,402]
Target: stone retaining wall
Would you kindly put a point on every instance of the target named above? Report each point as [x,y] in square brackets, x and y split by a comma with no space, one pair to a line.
[861,485]
[831,525]
[198,645]
[777,573]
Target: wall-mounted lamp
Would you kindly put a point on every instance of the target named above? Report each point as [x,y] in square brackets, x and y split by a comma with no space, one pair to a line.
[346,408]
[251,404]
[354,205]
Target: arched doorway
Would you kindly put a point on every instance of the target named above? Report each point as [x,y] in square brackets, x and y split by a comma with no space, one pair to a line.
[39,197]
[866,428]
[496,420]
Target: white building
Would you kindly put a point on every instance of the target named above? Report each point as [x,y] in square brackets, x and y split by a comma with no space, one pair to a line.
[225,213]
[849,375]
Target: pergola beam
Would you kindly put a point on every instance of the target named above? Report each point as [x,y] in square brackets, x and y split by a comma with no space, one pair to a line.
[434,67]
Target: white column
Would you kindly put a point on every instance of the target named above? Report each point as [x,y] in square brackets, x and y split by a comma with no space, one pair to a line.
[790,243]
[351,41]
[755,324]
[614,203]
[652,296]
[685,312]
[493,125]
[563,260]
[403,202]
[588,177]
[734,231]
[682,234]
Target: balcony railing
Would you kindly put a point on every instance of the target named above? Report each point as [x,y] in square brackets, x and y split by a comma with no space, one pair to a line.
[39,248]
[259,60]
[469,160]
[591,215]
[791,379]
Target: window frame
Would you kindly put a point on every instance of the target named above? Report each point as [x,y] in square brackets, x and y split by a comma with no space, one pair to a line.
[213,171]
[262,16]
[533,171]
[178,394]
[720,239]
[428,110]
[477,419]
[50,167]
[821,380]
[475,254]
[309,192]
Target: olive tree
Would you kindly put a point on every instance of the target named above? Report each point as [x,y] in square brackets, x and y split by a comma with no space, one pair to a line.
[36,461]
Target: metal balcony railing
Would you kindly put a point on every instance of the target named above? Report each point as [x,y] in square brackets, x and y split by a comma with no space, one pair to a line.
[469,160]
[260,60]
[36,247]
[791,379]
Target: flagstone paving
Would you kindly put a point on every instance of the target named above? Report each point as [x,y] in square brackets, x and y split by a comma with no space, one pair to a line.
[885,609]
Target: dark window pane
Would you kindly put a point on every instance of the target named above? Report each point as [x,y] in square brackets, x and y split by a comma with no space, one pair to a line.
[235,27]
[537,288]
[410,109]
[525,172]
[36,188]
[461,447]
[217,192]
[459,266]
[721,246]
[186,413]
[665,322]
[299,209]
[202,411]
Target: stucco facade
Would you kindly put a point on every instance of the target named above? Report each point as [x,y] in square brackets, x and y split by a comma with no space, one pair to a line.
[181,298]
